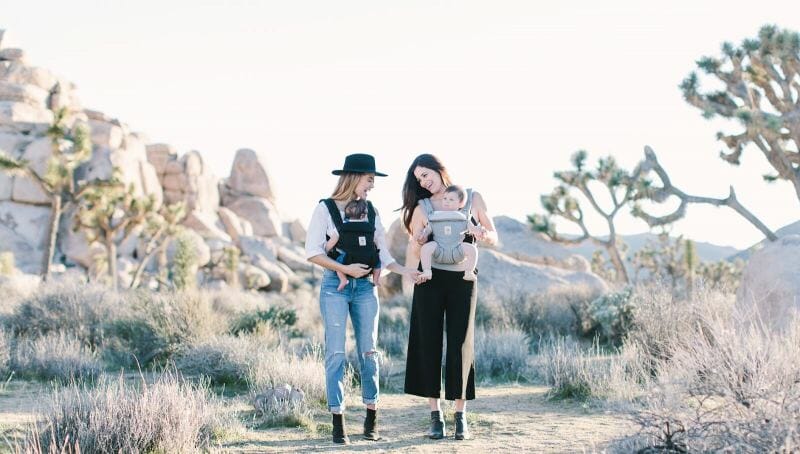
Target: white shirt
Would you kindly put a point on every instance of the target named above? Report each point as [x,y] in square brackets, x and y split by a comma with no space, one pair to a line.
[321,224]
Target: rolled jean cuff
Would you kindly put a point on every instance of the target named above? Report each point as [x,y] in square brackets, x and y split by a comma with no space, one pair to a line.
[370,401]
[339,409]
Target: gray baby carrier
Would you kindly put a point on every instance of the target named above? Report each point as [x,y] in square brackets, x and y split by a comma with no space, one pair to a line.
[449,228]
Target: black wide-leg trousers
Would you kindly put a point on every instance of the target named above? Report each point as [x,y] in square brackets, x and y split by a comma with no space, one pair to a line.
[445,298]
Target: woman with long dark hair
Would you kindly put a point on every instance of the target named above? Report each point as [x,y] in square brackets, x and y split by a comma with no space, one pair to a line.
[444,298]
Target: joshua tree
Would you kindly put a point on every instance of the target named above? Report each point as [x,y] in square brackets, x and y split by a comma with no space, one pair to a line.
[71,147]
[661,193]
[160,227]
[184,264]
[107,210]
[761,80]
[623,188]
[689,264]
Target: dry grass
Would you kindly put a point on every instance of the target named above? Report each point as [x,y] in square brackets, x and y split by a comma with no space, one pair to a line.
[69,307]
[170,415]
[55,357]
[501,353]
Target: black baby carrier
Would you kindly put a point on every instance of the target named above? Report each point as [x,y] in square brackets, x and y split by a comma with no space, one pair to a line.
[356,239]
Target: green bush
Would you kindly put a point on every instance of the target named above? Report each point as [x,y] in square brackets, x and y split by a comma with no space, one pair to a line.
[610,316]
[275,317]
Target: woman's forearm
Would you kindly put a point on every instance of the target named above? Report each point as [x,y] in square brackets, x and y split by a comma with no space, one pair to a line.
[327,262]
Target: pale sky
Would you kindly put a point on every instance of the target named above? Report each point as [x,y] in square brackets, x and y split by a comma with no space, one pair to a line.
[502,91]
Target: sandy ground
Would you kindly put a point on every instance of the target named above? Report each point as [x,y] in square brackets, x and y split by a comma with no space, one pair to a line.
[503,419]
[512,418]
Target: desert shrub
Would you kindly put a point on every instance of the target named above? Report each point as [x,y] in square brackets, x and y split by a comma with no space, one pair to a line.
[159,324]
[184,263]
[70,307]
[610,316]
[501,353]
[661,323]
[582,372]
[287,414]
[55,357]
[307,372]
[223,360]
[393,325]
[552,313]
[5,354]
[170,415]
[280,318]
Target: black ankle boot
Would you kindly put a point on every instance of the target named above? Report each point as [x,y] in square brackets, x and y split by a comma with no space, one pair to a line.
[371,426]
[339,435]
[437,426]
[462,430]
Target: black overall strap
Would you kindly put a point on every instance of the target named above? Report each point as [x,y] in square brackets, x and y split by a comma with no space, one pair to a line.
[335,215]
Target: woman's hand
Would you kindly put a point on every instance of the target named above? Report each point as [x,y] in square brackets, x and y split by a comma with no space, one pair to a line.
[356,270]
[421,237]
[477,231]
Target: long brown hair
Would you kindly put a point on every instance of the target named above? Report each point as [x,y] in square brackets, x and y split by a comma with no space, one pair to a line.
[345,189]
[413,192]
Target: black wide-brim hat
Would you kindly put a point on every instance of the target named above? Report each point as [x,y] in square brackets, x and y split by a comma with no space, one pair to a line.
[359,163]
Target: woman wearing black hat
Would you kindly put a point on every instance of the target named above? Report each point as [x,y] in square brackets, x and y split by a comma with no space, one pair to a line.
[359,298]
[446,298]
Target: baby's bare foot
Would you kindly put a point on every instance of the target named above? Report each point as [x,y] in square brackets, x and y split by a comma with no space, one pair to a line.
[342,285]
[470,276]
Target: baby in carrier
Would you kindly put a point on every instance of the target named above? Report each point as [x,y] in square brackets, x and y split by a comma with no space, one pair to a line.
[357,235]
[448,227]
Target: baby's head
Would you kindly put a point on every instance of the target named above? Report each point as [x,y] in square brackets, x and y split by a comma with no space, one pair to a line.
[455,197]
[356,209]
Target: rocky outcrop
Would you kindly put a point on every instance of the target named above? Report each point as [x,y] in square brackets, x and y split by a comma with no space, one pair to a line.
[770,283]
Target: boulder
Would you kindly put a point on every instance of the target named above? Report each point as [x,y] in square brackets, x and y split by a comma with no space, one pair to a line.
[208,225]
[31,222]
[234,226]
[254,247]
[249,176]
[28,94]
[295,231]
[260,212]
[22,116]
[506,277]
[25,190]
[294,260]
[11,54]
[770,284]
[27,258]
[105,134]
[19,73]
[253,278]
[159,154]
[278,276]
[6,186]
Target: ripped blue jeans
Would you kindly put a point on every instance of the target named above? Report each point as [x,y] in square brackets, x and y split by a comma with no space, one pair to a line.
[359,299]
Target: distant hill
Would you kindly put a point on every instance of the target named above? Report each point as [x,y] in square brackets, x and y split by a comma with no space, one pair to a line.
[793,228]
[708,252]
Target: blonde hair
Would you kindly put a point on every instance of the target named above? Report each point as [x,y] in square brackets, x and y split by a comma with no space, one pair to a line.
[346,186]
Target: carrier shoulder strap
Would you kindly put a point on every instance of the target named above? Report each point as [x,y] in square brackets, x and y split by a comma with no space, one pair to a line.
[370,213]
[335,215]
[427,206]
[468,206]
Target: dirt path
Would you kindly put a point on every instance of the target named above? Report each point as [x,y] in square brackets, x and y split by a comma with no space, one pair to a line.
[503,419]
[512,418]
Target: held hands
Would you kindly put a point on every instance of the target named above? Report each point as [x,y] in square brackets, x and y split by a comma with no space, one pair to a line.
[478,231]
